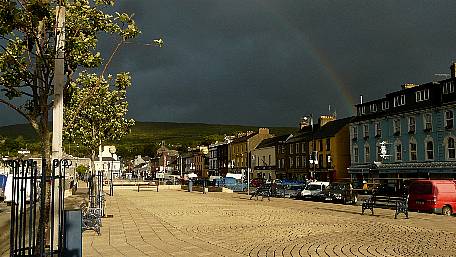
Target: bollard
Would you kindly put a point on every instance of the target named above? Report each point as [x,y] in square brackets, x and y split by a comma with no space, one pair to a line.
[190,185]
[204,186]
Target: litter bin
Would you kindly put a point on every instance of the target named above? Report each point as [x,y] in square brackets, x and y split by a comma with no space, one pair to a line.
[190,185]
[72,234]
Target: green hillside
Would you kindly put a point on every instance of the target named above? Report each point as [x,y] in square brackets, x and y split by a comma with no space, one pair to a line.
[145,136]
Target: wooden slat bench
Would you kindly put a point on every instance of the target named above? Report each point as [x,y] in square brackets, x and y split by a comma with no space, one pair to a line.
[148,185]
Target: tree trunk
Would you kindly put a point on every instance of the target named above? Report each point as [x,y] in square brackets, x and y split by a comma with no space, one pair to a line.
[44,89]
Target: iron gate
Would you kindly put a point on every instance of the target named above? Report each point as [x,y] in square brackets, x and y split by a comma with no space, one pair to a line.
[31,232]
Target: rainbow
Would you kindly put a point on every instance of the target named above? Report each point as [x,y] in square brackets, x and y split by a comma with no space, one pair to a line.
[320,58]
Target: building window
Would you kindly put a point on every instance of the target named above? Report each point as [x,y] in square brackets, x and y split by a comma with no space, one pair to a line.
[448,87]
[378,129]
[328,144]
[297,162]
[269,161]
[366,130]
[373,108]
[385,105]
[303,148]
[291,162]
[397,127]
[355,132]
[450,148]
[422,95]
[355,154]
[297,147]
[363,109]
[427,117]
[399,100]
[366,154]
[412,124]
[290,146]
[320,145]
[449,119]
[413,156]
[399,152]
[429,150]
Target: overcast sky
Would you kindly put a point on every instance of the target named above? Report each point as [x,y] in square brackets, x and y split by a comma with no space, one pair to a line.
[268,62]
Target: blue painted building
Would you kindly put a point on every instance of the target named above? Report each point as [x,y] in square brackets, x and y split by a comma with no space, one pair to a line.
[417,128]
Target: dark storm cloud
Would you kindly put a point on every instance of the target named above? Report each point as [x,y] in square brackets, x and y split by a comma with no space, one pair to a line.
[268,62]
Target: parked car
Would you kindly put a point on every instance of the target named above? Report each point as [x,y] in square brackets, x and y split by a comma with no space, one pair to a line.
[257,182]
[293,191]
[340,192]
[234,184]
[437,196]
[313,189]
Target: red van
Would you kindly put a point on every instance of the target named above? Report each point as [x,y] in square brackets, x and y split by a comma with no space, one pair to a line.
[438,196]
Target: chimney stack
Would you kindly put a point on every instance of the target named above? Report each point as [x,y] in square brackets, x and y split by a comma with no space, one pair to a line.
[325,119]
[263,131]
[453,70]
[408,85]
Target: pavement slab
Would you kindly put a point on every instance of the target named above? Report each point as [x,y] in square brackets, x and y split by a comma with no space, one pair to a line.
[178,223]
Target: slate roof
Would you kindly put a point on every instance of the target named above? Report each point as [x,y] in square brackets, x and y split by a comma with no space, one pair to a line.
[272,141]
[300,136]
[332,127]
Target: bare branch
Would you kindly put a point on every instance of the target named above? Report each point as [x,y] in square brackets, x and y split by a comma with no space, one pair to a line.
[111,56]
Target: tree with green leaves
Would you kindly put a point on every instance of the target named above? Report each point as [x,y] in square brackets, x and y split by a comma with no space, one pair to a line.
[28,52]
[103,117]
[27,29]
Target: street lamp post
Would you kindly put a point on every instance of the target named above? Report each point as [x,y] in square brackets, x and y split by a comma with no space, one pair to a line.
[112,150]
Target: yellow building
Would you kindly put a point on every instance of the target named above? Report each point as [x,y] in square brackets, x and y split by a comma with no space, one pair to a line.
[239,150]
[330,151]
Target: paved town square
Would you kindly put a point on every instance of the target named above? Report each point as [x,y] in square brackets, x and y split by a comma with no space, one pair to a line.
[179,223]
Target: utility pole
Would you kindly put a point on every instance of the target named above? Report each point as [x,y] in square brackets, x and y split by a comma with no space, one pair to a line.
[59,81]
[57,111]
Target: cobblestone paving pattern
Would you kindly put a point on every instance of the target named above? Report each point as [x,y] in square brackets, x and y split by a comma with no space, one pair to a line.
[177,223]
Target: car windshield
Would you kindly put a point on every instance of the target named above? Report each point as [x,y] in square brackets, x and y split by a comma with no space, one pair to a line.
[313,187]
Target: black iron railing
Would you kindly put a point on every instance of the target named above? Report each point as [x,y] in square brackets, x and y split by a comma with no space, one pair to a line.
[36,227]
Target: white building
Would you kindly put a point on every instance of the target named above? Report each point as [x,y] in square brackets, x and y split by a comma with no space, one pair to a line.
[109,162]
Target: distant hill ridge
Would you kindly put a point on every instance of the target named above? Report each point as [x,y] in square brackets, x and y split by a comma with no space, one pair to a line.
[171,132]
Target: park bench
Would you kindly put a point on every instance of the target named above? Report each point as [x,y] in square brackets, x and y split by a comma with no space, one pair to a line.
[91,218]
[148,185]
[399,203]
[263,192]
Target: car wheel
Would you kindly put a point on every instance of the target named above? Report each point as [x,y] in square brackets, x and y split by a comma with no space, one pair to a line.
[446,211]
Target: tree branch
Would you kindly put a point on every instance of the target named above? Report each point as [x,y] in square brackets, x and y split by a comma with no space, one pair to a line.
[110,57]
[17,109]
[119,44]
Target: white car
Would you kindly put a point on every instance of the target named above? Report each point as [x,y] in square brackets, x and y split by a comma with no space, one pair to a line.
[313,189]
